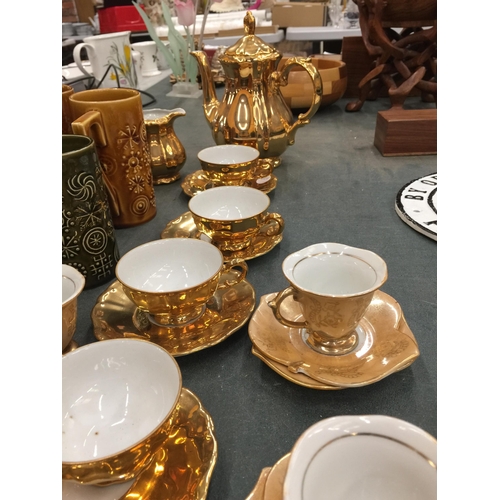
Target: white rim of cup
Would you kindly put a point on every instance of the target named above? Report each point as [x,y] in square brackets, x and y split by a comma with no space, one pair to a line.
[87,347]
[77,278]
[224,154]
[372,259]
[327,430]
[166,242]
[219,194]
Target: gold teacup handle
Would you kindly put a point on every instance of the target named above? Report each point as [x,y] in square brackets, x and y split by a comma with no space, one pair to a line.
[91,125]
[273,224]
[281,79]
[228,266]
[275,306]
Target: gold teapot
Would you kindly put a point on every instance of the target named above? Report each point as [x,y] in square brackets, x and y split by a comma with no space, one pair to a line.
[252,111]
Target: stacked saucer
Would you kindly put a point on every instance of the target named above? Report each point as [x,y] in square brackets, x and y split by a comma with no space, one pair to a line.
[353,457]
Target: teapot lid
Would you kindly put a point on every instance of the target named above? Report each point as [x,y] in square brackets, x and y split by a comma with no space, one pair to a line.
[250,47]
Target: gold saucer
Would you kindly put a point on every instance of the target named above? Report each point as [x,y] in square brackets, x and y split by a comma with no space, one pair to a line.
[116,316]
[258,491]
[296,378]
[180,470]
[386,345]
[70,347]
[198,181]
[185,227]
[269,486]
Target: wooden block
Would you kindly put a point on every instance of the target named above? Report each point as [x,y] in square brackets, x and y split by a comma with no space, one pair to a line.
[401,132]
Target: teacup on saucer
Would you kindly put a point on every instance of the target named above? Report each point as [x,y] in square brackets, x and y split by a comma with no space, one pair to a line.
[173,279]
[159,480]
[116,316]
[362,456]
[185,227]
[387,345]
[118,399]
[232,216]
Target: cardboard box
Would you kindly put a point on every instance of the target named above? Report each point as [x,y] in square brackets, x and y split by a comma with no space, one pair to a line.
[299,14]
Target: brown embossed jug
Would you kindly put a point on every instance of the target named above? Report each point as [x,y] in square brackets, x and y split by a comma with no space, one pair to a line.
[114,119]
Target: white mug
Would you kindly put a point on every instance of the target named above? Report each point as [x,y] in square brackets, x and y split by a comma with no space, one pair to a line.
[105,50]
[149,57]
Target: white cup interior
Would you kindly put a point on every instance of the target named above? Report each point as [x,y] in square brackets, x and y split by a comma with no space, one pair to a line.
[334,269]
[229,203]
[72,283]
[114,395]
[229,154]
[362,456]
[334,274]
[169,265]
[384,469]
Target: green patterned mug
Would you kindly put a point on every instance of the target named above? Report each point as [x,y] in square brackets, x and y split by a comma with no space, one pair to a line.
[88,235]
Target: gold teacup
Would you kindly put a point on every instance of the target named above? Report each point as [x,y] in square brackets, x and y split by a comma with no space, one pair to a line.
[172,279]
[333,284]
[231,216]
[119,399]
[229,164]
[73,283]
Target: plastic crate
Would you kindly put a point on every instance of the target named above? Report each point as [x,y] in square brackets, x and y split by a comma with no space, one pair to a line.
[121,18]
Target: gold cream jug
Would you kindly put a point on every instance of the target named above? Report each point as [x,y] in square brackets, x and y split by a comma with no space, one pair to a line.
[252,111]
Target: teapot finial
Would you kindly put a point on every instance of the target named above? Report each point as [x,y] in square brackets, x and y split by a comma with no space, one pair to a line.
[249,22]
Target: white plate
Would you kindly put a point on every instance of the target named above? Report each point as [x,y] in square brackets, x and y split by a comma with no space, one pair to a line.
[362,457]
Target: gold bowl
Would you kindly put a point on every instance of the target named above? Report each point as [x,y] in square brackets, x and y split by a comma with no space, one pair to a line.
[118,401]
[173,279]
[229,164]
[299,91]
[73,283]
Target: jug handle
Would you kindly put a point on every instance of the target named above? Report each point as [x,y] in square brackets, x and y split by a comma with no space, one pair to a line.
[280,78]
[90,124]
[76,56]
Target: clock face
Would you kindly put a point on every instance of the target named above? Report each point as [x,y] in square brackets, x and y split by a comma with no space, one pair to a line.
[416,204]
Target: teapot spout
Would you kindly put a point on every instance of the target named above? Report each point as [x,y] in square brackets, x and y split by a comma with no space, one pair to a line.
[210,101]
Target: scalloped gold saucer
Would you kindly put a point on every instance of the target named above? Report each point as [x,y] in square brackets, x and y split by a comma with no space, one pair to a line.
[70,347]
[180,470]
[185,227]
[387,345]
[296,378]
[116,316]
[258,491]
[269,486]
[198,181]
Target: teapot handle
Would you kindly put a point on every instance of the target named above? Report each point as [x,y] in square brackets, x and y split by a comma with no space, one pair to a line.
[281,79]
